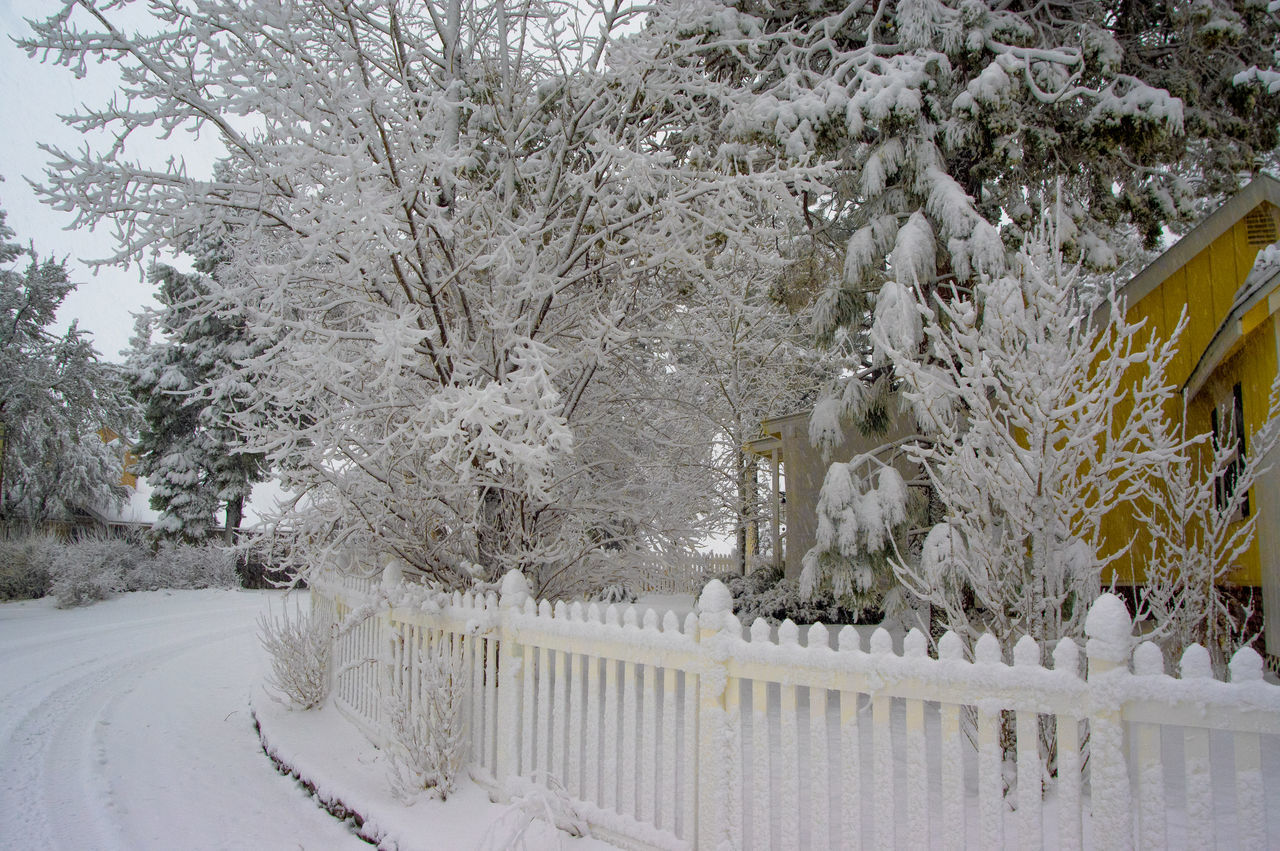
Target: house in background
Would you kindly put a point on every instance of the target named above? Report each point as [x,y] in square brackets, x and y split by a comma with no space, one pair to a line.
[134,514]
[1226,277]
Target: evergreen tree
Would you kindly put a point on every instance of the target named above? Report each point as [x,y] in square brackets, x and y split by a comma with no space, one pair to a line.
[186,382]
[54,400]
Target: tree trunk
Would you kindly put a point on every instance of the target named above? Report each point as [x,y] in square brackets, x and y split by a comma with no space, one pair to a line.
[235,514]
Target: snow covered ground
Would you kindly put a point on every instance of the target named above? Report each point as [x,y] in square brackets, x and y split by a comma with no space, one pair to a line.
[127,725]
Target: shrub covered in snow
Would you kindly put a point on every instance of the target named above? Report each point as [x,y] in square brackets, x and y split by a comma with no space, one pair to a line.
[94,568]
[617,593]
[186,566]
[765,593]
[299,647]
[25,566]
[428,744]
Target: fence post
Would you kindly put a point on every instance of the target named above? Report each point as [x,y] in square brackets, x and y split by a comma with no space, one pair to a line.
[714,606]
[515,590]
[1110,631]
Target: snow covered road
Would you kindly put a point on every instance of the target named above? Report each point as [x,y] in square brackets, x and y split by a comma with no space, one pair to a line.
[125,725]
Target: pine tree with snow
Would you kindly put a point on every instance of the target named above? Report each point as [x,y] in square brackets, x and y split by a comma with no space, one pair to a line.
[952,122]
[55,399]
[187,384]
[960,117]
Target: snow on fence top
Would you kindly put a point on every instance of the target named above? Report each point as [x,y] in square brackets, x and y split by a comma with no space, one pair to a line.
[675,734]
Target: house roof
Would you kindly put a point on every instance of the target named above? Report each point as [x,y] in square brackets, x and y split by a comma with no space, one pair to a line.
[1261,188]
[771,430]
[1261,286]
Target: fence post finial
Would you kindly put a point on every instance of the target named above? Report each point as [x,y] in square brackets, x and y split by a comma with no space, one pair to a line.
[715,599]
[1110,631]
[514,590]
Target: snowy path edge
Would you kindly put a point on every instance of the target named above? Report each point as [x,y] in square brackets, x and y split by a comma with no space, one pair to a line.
[331,803]
[346,775]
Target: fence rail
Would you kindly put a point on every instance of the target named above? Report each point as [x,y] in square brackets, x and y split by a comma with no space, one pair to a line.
[701,734]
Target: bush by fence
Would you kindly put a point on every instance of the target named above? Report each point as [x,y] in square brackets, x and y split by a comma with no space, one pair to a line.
[703,734]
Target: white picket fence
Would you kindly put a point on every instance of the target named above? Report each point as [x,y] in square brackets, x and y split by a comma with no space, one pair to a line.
[706,735]
[667,573]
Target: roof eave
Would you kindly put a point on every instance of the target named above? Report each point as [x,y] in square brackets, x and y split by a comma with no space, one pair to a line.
[1264,187]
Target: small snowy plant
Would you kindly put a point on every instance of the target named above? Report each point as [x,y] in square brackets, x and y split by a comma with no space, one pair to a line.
[1199,529]
[535,820]
[25,564]
[425,721]
[95,568]
[300,648]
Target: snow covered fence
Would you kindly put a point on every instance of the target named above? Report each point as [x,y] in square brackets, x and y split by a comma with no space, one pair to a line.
[675,573]
[702,734]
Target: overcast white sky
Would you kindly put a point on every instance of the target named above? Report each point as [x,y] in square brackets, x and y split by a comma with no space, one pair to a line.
[34,95]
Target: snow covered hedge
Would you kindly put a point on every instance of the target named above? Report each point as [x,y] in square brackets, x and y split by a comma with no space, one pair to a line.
[25,565]
[95,568]
[765,593]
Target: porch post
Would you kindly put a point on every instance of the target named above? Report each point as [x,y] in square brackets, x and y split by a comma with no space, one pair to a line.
[775,519]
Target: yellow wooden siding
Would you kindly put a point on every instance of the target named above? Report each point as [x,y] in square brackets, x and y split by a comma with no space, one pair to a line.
[1205,287]
[1173,302]
[1253,366]
[128,478]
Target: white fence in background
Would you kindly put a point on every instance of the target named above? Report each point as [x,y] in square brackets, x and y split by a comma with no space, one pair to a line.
[706,735]
[663,573]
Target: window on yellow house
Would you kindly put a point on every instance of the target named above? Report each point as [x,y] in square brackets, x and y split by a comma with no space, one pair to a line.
[1225,487]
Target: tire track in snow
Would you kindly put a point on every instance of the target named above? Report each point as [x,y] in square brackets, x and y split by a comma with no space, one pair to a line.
[126,726]
[54,756]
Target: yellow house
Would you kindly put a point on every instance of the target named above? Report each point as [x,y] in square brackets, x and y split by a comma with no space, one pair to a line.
[128,458]
[1227,356]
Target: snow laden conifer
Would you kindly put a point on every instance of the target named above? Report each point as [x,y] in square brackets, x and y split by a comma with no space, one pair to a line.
[447,219]
[861,511]
[952,118]
[951,122]
[184,371]
[55,399]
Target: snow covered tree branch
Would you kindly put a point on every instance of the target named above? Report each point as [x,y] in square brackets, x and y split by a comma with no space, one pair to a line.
[55,399]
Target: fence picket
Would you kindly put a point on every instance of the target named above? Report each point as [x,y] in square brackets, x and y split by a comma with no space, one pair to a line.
[475,697]
[849,645]
[577,674]
[560,717]
[609,800]
[760,771]
[591,787]
[819,771]
[884,820]
[648,745]
[526,713]
[689,739]
[627,778]
[667,814]
[733,773]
